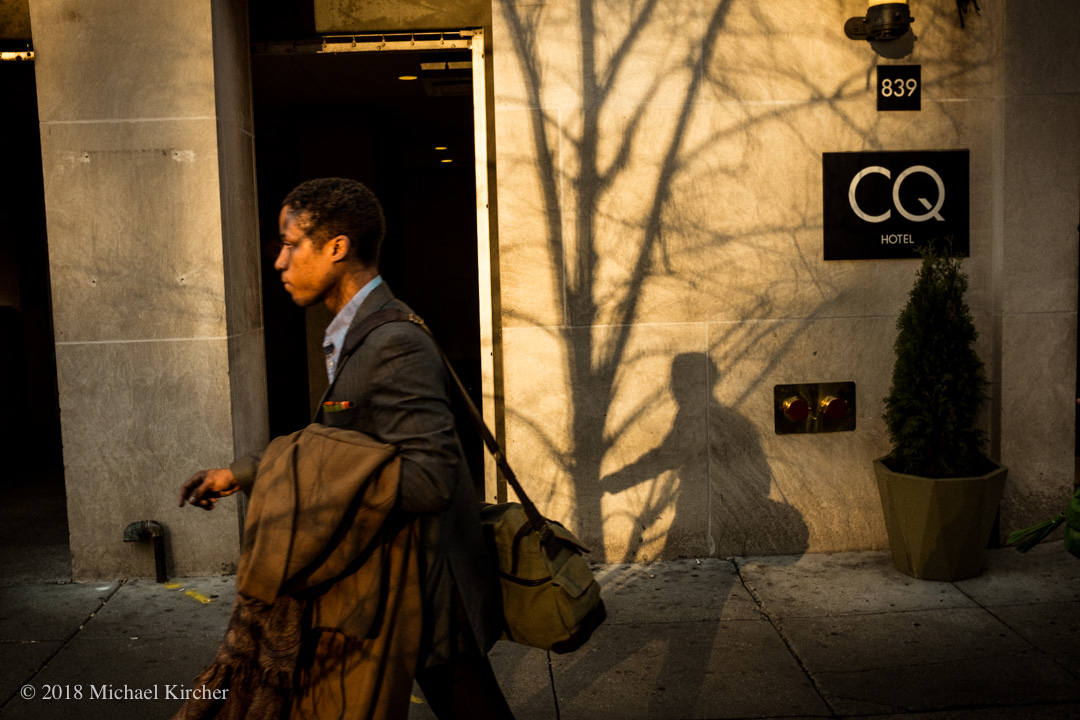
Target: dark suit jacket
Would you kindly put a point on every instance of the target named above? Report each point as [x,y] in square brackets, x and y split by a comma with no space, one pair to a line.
[400,394]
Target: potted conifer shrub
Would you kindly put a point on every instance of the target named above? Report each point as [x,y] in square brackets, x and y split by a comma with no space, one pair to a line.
[939,493]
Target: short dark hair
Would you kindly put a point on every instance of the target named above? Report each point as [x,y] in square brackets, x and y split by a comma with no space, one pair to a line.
[328,207]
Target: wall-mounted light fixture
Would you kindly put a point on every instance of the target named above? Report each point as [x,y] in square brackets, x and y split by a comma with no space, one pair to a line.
[885,20]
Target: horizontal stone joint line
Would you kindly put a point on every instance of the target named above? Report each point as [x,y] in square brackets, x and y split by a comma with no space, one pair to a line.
[824,318]
[232,336]
[64,643]
[236,126]
[106,121]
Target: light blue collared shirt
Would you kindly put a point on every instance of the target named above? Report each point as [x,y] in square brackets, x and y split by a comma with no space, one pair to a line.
[339,327]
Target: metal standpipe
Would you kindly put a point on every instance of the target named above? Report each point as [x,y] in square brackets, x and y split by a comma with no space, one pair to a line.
[143,530]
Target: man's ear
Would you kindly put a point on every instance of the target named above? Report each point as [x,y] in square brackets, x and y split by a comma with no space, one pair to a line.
[339,247]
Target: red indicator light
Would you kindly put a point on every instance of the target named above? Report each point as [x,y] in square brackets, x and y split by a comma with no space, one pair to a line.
[795,409]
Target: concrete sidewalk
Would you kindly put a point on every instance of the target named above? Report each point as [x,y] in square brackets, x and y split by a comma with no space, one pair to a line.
[819,636]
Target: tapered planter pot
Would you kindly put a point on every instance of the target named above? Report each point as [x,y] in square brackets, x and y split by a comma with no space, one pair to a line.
[939,527]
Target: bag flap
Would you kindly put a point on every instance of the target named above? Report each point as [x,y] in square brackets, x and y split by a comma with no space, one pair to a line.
[574,576]
[568,538]
[506,519]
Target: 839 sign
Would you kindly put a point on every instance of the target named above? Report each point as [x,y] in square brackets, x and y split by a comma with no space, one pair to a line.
[899,87]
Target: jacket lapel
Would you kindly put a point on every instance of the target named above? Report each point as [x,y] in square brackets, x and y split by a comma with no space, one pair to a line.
[376,300]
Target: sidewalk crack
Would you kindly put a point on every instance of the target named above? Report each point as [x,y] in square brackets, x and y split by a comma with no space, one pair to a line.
[774,621]
[990,611]
[554,694]
[64,643]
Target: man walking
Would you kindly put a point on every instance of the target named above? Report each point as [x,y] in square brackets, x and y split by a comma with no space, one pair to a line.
[395,389]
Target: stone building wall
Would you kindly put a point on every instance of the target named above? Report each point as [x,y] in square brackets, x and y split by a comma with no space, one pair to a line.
[660,251]
[147,154]
[660,212]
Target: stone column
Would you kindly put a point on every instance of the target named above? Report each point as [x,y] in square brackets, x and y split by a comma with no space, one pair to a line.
[1038,204]
[148,159]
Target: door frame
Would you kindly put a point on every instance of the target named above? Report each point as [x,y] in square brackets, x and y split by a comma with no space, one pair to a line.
[475,40]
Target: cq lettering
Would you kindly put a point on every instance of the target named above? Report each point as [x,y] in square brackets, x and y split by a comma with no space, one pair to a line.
[933,211]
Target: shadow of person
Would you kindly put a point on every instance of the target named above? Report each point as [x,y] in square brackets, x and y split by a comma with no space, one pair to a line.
[743,518]
[675,472]
[711,472]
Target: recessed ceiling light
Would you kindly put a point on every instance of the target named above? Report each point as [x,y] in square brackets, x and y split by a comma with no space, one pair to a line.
[447,160]
[440,147]
[406,77]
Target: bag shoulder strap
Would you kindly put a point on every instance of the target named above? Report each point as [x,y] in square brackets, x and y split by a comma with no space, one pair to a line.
[357,333]
[362,329]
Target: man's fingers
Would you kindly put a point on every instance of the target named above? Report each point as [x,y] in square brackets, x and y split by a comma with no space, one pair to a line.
[205,487]
[191,491]
[196,500]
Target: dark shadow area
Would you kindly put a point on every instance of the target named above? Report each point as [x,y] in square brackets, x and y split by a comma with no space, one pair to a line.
[733,477]
[33,509]
[895,49]
[740,506]
[34,539]
[349,115]
[732,480]
[670,617]
[677,468]
[276,19]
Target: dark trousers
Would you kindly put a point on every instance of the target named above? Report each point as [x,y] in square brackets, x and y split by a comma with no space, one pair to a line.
[464,689]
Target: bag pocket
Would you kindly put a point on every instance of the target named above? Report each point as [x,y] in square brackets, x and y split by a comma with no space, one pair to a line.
[573,574]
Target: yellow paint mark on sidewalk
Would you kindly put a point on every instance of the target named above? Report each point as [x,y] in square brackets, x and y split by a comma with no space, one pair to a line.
[198,596]
[195,594]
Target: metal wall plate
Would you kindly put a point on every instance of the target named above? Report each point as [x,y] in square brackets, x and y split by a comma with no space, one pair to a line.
[814,407]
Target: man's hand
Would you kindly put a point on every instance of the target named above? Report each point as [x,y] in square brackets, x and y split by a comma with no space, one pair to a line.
[205,487]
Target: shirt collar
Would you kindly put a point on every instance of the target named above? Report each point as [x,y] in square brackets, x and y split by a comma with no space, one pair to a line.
[339,326]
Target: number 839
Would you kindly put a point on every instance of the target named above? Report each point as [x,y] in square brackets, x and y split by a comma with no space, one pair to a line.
[898,87]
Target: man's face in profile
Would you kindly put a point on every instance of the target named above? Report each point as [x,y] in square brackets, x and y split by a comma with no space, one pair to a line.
[308,272]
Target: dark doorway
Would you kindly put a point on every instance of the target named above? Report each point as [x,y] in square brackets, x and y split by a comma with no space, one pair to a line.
[411,141]
[33,508]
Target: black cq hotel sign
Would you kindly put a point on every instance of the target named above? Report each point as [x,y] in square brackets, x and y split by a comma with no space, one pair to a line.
[883,205]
